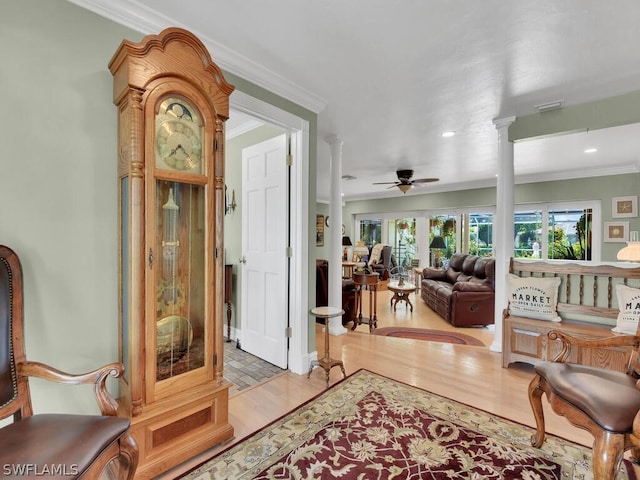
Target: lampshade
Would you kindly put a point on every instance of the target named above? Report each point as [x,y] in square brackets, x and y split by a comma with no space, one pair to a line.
[360,250]
[631,253]
[346,241]
[437,242]
[405,187]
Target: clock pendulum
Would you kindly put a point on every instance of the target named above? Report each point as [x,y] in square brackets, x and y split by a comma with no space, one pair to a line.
[173,331]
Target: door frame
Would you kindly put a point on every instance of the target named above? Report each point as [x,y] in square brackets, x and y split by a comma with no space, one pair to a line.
[298,284]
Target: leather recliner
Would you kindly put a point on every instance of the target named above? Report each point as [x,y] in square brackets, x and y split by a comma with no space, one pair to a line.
[464,293]
[322,292]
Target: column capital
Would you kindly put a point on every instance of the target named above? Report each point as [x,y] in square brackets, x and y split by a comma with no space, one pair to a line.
[333,140]
[503,122]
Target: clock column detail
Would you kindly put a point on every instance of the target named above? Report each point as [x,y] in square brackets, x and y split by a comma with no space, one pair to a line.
[172,104]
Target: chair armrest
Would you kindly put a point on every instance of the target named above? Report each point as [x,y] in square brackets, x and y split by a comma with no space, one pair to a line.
[569,341]
[471,287]
[107,404]
[435,273]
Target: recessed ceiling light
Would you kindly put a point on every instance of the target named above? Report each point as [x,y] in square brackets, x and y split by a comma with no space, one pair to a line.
[448,134]
[591,150]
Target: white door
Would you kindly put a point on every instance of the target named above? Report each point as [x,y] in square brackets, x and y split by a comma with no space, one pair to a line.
[265,222]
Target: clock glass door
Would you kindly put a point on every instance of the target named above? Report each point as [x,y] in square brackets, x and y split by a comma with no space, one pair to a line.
[180,278]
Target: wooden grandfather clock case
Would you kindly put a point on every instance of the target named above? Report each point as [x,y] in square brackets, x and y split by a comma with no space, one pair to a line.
[172,104]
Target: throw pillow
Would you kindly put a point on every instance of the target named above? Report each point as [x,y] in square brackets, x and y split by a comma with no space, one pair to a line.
[533,297]
[629,306]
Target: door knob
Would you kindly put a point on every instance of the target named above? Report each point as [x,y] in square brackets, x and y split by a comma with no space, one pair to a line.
[242,259]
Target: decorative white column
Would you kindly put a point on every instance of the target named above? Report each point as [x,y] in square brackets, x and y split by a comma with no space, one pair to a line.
[335,234]
[503,223]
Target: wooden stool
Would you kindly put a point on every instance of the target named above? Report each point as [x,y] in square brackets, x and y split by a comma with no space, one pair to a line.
[327,362]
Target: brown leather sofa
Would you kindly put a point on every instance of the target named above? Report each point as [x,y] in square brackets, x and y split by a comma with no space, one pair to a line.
[322,292]
[464,293]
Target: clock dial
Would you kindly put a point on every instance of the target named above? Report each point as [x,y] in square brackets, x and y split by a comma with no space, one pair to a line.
[178,137]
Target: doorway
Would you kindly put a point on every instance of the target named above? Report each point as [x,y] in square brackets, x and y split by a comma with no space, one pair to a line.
[295,295]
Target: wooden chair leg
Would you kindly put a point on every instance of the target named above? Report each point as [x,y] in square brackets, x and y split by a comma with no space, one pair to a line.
[635,455]
[128,464]
[608,449]
[535,399]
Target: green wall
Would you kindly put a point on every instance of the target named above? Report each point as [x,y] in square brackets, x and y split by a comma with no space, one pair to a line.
[58,186]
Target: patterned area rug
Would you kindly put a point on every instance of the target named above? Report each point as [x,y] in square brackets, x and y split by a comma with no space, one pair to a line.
[431,335]
[371,427]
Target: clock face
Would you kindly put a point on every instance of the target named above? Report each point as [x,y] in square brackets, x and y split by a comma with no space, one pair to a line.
[178,136]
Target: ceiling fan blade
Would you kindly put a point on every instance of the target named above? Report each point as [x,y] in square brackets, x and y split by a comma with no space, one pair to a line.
[425,180]
[384,183]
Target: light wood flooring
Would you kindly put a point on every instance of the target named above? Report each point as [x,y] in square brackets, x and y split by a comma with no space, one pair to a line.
[469,374]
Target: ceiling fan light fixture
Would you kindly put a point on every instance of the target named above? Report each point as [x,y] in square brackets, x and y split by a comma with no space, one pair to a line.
[405,187]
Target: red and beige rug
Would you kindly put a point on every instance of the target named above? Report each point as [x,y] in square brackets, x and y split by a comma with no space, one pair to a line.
[372,427]
[431,335]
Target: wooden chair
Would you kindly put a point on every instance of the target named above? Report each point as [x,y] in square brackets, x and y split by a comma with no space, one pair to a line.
[53,445]
[602,401]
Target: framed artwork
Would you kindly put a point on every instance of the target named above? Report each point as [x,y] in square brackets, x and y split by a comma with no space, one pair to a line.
[616,231]
[624,206]
[319,230]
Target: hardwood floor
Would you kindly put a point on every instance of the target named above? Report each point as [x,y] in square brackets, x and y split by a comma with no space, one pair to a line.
[469,374]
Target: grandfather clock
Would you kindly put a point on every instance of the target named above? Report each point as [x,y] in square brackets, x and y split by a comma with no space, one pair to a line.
[172,104]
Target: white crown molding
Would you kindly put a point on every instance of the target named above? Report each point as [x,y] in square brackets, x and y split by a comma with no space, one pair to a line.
[146,21]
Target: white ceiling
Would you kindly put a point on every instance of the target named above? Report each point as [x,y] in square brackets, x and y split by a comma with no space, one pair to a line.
[388,77]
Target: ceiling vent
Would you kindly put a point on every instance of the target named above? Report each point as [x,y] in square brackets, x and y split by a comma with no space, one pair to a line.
[547,107]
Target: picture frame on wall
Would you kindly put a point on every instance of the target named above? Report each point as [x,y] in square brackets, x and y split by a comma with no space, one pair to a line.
[622,207]
[319,230]
[616,231]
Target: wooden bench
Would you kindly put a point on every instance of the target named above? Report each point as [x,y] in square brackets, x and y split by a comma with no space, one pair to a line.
[587,305]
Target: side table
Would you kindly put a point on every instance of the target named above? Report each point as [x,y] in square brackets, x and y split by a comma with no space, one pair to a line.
[368,281]
[401,293]
[327,362]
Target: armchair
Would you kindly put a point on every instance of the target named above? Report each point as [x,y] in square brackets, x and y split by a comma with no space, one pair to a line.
[381,260]
[604,402]
[53,445]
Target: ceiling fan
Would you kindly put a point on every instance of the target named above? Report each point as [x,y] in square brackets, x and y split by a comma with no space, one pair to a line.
[404,182]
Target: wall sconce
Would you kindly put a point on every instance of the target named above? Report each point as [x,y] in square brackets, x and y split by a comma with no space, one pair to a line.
[229,207]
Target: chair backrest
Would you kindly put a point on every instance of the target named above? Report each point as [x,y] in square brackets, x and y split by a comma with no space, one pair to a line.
[14,393]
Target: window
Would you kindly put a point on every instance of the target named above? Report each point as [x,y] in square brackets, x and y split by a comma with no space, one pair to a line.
[528,234]
[442,238]
[568,227]
[371,232]
[566,231]
[478,234]
[402,238]
[570,234]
